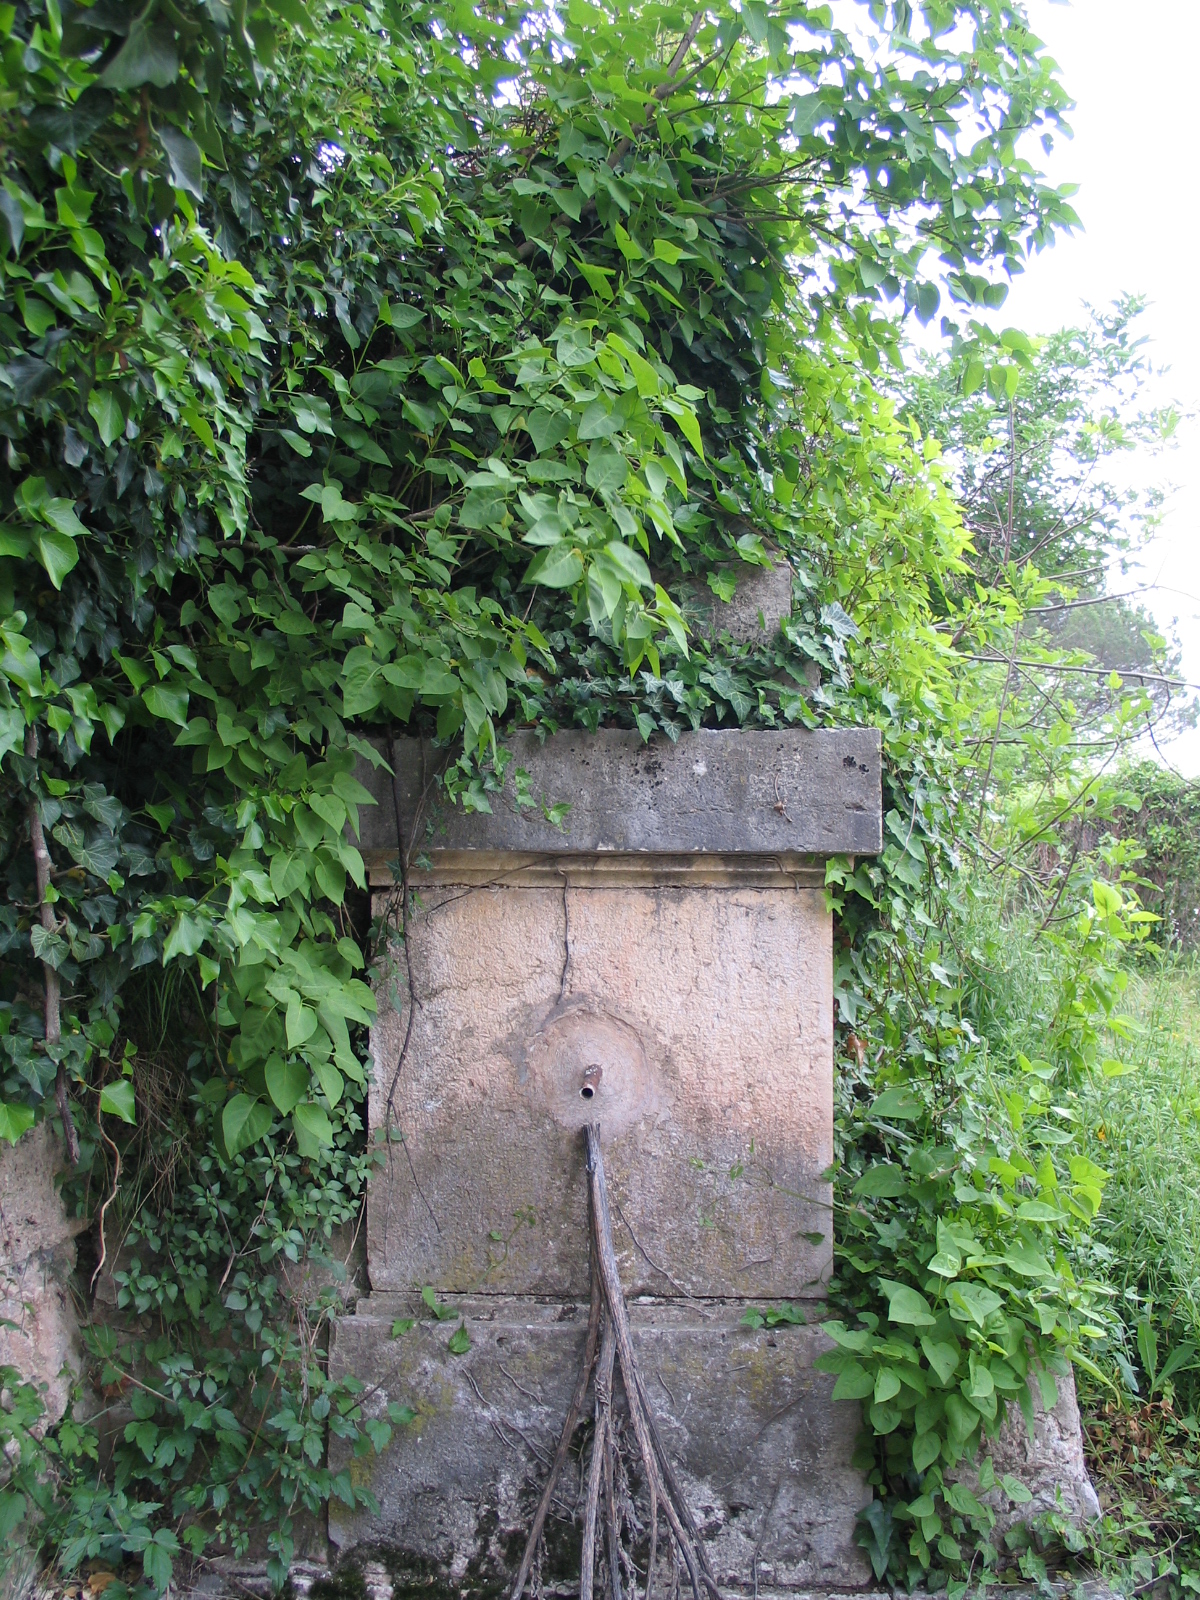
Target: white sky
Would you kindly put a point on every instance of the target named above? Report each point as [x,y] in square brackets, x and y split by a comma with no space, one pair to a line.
[1132,74]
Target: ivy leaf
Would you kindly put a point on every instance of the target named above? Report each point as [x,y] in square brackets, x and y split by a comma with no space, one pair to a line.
[15,1119]
[972,1302]
[1015,1490]
[887,1384]
[14,220]
[117,1099]
[854,1382]
[186,936]
[559,567]
[48,946]
[927,1447]
[441,1312]
[58,554]
[547,428]
[301,1023]
[185,160]
[883,1181]
[166,702]
[607,470]
[105,408]
[941,1357]
[898,1105]
[147,56]
[629,564]
[312,1128]
[460,1341]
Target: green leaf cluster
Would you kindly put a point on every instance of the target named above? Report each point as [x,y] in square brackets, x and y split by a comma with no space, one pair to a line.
[386,365]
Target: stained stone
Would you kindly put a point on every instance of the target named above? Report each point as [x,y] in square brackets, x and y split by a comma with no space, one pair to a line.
[662,964]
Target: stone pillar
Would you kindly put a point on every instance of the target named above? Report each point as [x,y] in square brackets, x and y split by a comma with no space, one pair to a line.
[662,964]
[39,1334]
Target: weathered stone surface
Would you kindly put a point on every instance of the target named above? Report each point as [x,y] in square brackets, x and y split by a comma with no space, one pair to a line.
[1050,1464]
[761,602]
[39,1334]
[793,790]
[709,1015]
[761,1449]
[663,968]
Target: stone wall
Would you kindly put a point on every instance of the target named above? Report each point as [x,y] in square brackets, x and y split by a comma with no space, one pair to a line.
[662,965]
[39,1331]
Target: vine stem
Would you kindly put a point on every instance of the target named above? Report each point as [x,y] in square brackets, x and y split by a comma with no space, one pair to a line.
[43,867]
[662,1484]
[564,1444]
[110,1197]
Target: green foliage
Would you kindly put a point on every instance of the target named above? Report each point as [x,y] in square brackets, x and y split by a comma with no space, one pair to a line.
[1054,441]
[1162,813]
[551,346]
[218,1365]
[966,1199]
[1143,1437]
[373,365]
[1146,1128]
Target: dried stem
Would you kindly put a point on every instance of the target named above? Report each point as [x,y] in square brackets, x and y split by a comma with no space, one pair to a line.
[43,867]
[109,1198]
[602,1411]
[673,1503]
[606,1469]
[564,1443]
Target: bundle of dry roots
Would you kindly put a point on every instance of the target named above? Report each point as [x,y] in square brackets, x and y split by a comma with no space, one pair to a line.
[609,1344]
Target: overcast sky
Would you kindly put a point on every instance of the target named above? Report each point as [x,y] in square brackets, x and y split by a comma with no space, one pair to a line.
[1132,72]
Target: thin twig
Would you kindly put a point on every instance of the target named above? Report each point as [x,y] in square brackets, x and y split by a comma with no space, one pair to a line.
[568,1433]
[654,1460]
[412,994]
[112,1195]
[608,1467]
[602,1411]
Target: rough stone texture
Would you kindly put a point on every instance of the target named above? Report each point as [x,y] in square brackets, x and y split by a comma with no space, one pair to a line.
[664,968]
[794,790]
[39,1334]
[761,1449]
[709,1013]
[761,602]
[1050,1464]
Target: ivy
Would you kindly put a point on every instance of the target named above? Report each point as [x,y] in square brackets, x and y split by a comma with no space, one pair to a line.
[386,364]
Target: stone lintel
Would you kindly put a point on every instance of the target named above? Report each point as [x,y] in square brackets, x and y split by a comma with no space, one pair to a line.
[768,792]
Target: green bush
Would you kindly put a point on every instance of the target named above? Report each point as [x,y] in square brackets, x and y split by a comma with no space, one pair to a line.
[1163,816]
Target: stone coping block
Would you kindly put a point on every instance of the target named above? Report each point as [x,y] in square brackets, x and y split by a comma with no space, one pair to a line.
[761,1449]
[793,791]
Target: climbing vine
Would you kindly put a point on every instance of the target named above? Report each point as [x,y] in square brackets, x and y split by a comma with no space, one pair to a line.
[381,364]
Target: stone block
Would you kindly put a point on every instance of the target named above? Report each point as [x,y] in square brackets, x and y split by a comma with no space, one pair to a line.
[761,602]
[794,791]
[762,1451]
[661,966]
[39,1332]
[1049,1461]
[694,1024]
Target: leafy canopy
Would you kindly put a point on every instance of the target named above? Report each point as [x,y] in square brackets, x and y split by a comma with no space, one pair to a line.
[376,364]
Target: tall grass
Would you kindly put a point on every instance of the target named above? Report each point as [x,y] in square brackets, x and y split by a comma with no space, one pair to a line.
[1143,1128]
[1147,1127]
